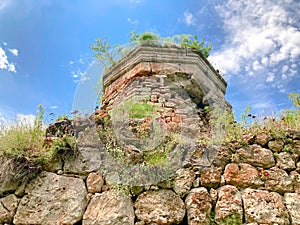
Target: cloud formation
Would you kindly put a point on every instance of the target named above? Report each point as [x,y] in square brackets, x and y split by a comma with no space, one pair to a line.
[4,63]
[14,51]
[263,39]
[189,19]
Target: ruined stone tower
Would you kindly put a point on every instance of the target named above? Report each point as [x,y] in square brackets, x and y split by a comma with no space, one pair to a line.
[180,81]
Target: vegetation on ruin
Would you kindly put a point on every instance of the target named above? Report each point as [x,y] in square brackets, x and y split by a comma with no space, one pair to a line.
[109,54]
[26,140]
[226,129]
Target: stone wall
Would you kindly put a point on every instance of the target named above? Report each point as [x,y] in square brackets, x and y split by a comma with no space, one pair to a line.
[254,183]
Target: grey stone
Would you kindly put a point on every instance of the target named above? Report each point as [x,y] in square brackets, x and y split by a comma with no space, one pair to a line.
[13,174]
[52,199]
[292,202]
[183,181]
[229,207]
[112,207]
[89,156]
[198,206]
[264,207]
[8,206]
[285,161]
[163,207]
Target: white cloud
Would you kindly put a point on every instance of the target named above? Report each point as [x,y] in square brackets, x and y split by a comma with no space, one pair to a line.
[4,63]
[263,37]
[53,107]
[5,43]
[14,51]
[270,77]
[26,119]
[189,19]
[133,22]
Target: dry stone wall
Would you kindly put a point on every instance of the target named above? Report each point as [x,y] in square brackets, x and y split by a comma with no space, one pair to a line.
[256,182]
[258,185]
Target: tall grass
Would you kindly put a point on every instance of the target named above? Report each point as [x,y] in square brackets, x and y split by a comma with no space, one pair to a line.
[23,138]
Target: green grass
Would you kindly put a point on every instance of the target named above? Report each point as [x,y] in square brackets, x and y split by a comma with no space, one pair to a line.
[25,140]
[225,129]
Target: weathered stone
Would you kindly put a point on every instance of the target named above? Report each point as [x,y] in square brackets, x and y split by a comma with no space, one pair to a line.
[88,160]
[248,138]
[183,181]
[262,138]
[276,145]
[264,207]
[94,182]
[242,175]
[229,207]
[198,206]
[255,155]
[278,180]
[213,195]
[296,181]
[162,207]
[298,167]
[285,161]
[292,202]
[8,206]
[110,208]
[89,157]
[210,177]
[52,199]
[196,182]
[15,173]
[296,147]
[223,157]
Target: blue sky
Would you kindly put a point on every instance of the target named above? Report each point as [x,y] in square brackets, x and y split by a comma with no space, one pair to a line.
[44,46]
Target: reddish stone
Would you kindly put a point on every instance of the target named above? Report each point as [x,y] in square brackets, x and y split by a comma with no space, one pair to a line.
[198,206]
[94,182]
[176,119]
[210,177]
[262,138]
[242,175]
[229,209]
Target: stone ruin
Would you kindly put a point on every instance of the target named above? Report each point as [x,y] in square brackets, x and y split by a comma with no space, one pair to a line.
[254,184]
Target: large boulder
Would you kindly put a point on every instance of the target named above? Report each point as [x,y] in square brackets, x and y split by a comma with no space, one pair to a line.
[264,207]
[89,157]
[112,207]
[292,202]
[162,207]
[242,175]
[255,155]
[52,199]
[229,207]
[278,180]
[198,206]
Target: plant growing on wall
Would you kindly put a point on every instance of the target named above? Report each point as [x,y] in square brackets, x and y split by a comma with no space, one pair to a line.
[109,54]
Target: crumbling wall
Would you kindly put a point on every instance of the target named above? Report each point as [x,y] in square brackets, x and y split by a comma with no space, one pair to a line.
[254,183]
